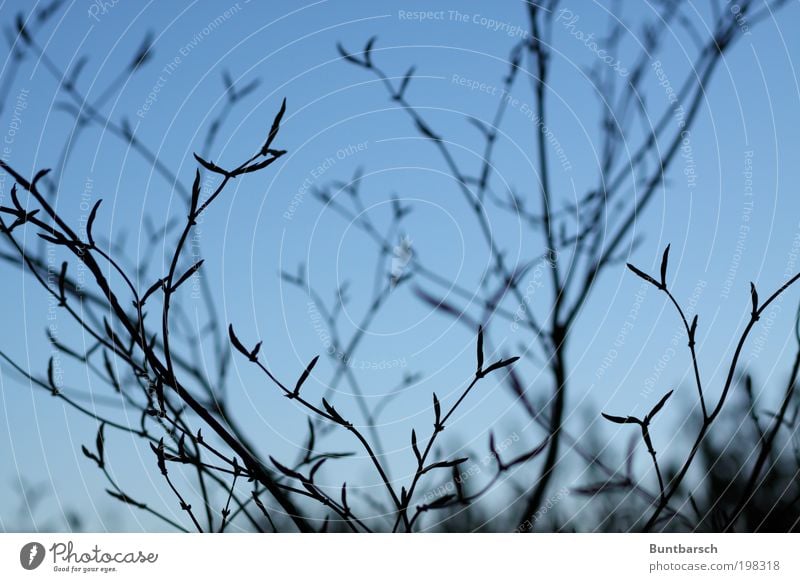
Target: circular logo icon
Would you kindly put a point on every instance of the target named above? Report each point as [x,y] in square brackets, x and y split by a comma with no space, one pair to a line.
[31,555]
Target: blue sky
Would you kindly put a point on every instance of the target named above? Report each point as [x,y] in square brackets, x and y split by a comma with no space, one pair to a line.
[339,119]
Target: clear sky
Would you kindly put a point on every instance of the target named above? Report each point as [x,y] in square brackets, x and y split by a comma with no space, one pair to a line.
[730,213]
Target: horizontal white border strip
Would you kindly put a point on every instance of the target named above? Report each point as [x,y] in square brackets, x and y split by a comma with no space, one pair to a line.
[378,557]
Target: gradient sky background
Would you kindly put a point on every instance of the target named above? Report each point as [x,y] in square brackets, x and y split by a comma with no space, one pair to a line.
[750,114]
